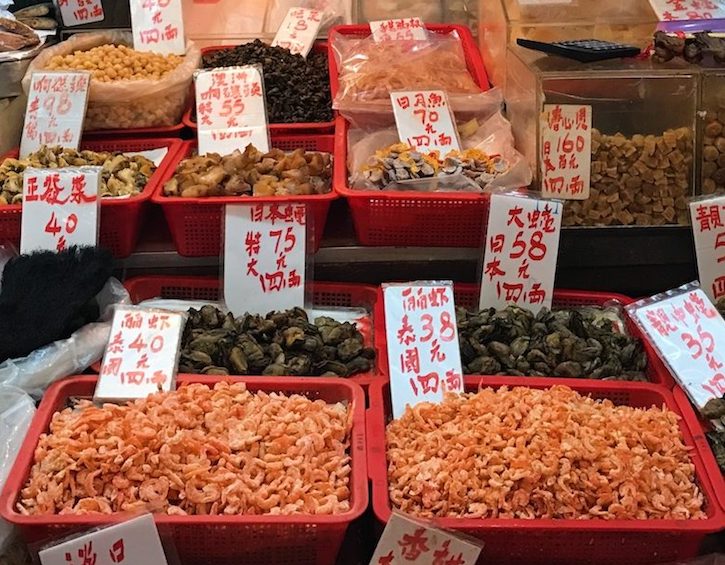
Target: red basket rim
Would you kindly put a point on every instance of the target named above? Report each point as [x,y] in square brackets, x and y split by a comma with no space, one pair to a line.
[358,486]
[94,134]
[377,467]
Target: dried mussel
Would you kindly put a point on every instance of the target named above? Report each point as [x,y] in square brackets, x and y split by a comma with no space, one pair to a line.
[721,307]
[560,343]
[280,343]
[715,410]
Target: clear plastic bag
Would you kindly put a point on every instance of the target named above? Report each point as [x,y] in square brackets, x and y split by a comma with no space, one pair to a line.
[127,103]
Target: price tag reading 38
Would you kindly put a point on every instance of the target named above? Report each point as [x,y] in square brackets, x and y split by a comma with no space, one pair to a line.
[298,30]
[425,121]
[411,29]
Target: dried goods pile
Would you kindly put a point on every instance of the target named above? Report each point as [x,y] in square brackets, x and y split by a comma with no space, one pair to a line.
[296,89]
[715,410]
[562,343]
[713,150]
[254,173]
[282,343]
[196,450]
[525,453]
[15,35]
[641,180]
[721,307]
[122,175]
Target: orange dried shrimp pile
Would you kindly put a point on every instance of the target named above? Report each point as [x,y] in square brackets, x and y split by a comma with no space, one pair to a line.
[195,451]
[526,453]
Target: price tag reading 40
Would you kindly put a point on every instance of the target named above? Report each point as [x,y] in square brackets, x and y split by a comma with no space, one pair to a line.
[298,30]
[158,26]
[425,121]
[79,12]
[423,353]
[411,29]
[141,355]
[230,109]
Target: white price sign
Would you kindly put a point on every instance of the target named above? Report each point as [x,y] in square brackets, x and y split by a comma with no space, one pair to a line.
[423,353]
[79,12]
[135,541]
[142,353]
[230,109]
[264,257]
[522,245]
[677,10]
[425,120]
[158,26]
[60,208]
[566,151]
[411,29]
[298,30]
[708,230]
[55,111]
[689,335]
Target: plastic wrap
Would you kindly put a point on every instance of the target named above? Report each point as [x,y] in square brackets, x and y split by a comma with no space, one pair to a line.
[335,12]
[128,103]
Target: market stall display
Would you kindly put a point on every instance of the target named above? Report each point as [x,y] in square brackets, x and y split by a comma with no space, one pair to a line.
[712,145]
[15,36]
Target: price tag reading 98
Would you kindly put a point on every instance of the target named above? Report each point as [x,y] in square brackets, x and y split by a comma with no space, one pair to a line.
[423,354]
[425,121]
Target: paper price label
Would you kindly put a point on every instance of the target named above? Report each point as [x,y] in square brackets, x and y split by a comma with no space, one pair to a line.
[60,208]
[405,540]
[264,257]
[566,151]
[522,245]
[158,26]
[79,12]
[141,355]
[134,542]
[423,353]
[708,229]
[677,10]
[298,30]
[411,29]
[689,334]
[425,121]
[231,110]
[55,111]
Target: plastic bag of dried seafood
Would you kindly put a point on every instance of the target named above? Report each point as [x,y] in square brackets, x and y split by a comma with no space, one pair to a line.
[34,373]
[123,104]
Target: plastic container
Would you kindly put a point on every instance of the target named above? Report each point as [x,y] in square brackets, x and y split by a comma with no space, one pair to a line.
[189,118]
[248,539]
[120,220]
[324,294]
[466,296]
[196,223]
[542,541]
[160,131]
[698,426]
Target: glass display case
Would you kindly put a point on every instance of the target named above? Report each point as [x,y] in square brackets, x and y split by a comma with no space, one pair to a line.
[712,135]
[643,132]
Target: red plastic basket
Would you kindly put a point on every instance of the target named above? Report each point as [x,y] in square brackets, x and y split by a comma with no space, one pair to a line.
[189,118]
[159,131]
[120,217]
[698,426]
[545,541]
[466,296]
[196,223]
[248,539]
[324,294]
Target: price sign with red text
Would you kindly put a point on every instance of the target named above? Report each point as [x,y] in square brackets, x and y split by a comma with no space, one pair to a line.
[265,248]
[423,353]
[566,151]
[406,540]
[522,244]
[689,335]
[133,542]
[60,208]
[708,229]
[425,120]
[298,30]
[79,12]
[677,10]
[142,353]
[230,109]
[411,29]
[55,111]
[158,26]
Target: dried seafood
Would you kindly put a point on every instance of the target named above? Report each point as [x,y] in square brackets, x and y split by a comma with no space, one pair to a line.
[195,450]
[721,307]
[715,410]
[561,343]
[274,173]
[15,35]
[122,175]
[525,453]
[281,343]
[692,49]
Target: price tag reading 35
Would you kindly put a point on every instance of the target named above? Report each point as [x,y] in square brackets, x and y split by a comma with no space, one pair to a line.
[708,229]
[230,110]
[425,121]
[411,29]
[298,30]
[158,26]
[423,353]
[141,355]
